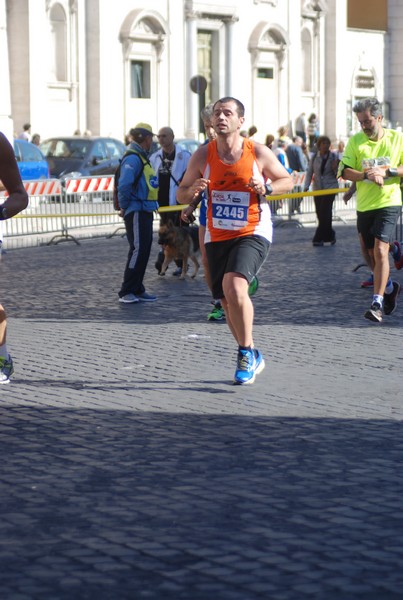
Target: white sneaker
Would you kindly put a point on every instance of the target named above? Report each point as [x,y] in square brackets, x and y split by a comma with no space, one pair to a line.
[129,299]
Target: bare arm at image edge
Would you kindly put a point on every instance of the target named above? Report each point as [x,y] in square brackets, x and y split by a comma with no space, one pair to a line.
[11,180]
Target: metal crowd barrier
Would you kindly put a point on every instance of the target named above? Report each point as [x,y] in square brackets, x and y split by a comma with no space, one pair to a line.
[81,207]
[298,207]
[60,207]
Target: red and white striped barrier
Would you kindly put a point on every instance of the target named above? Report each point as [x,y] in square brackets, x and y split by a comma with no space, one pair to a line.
[52,187]
[41,187]
[89,184]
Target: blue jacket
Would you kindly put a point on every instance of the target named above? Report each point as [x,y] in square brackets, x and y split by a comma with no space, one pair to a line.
[135,199]
[296,158]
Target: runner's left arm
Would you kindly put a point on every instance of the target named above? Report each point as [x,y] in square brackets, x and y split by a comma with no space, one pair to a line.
[273,172]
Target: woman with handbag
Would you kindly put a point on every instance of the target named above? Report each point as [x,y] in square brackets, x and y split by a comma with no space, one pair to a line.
[323,169]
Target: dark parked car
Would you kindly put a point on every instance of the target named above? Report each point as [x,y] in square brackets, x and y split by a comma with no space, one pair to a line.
[79,156]
[30,160]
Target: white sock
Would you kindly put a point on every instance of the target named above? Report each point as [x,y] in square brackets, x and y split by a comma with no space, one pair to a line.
[378,299]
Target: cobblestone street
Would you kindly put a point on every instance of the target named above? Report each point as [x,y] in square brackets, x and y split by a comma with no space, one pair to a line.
[133,468]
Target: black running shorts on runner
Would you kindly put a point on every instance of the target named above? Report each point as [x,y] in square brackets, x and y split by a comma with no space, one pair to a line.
[244,255]
[379,223]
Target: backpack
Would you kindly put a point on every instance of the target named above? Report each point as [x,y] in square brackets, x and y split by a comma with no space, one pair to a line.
[117,176]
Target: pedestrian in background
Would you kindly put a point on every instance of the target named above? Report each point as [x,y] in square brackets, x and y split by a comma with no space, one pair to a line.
[25,133]
[169,164]
[340,149]
[282,137]
[373,158]
[312,131]
[296,158]
[323,169]
[300,126]
[281,152]
[298,163]
[137,194]
[10,179]
[252,131]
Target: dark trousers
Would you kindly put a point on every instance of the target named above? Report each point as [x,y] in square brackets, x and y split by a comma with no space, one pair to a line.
[302,135]
[139,231]
[312,141]
[324,210]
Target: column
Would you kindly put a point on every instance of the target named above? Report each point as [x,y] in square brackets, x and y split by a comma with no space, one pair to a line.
[230,69]
[192,99]
[6,122]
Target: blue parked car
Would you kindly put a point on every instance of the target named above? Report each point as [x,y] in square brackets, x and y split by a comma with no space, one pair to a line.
[30,160]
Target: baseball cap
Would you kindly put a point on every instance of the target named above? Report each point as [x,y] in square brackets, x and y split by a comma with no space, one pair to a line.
[144,128]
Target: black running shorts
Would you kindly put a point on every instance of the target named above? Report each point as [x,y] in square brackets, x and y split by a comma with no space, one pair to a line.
[243,255]
[379,223]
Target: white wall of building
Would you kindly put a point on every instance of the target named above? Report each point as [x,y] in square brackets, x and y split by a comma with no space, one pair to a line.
[393,61]
[257,57]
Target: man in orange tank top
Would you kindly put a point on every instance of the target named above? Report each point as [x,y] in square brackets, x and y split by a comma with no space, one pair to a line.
[237,175]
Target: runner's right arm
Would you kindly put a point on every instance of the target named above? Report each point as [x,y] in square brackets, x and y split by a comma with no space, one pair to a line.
[10,176]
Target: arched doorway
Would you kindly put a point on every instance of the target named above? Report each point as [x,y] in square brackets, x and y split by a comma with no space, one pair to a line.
[142,36]
[267,46]
[364,85]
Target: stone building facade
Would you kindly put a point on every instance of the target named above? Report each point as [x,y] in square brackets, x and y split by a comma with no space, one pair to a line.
[102,66]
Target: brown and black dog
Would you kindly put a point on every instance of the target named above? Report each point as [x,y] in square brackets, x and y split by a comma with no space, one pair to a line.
[179,243]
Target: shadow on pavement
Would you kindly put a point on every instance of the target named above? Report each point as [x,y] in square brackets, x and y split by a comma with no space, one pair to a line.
[116,504]
[299,284]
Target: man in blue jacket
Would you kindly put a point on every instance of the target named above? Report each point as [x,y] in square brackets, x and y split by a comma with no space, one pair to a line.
[137,194]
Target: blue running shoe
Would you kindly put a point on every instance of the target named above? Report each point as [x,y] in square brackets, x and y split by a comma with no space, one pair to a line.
[260,364]
[397,255]
[250,363]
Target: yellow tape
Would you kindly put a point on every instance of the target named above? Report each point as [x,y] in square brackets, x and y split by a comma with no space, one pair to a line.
[311,193]
[180,207]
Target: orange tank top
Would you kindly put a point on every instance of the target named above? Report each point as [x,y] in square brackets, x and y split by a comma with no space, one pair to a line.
[233,210]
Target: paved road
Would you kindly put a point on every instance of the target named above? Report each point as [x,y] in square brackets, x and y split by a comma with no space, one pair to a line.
[132,468]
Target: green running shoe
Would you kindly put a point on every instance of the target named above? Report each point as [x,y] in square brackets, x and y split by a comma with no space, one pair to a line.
[253,286]
[217,314]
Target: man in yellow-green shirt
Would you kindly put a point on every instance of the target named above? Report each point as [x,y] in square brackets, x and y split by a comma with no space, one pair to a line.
[373,158]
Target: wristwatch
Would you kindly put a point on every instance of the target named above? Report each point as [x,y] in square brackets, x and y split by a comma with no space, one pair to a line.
[392,172]
[365,175]
[268,189]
